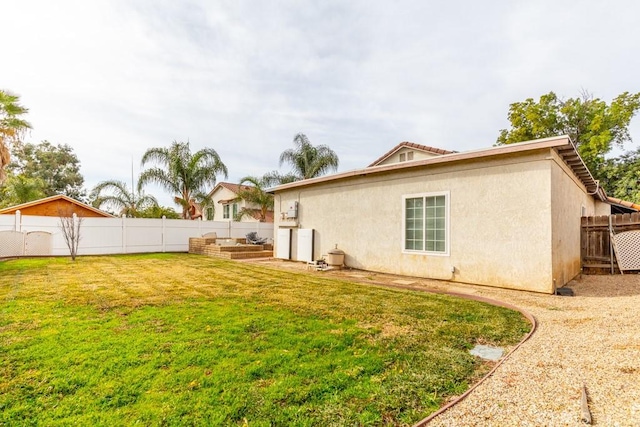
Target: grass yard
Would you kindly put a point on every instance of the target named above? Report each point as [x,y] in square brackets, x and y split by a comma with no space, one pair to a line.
[176,339]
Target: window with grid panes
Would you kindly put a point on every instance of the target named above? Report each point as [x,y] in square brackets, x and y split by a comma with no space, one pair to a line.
[426,222]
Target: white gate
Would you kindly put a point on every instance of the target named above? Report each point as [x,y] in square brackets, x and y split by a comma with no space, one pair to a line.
[37,243]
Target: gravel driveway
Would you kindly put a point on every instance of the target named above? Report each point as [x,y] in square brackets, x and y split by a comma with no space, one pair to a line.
[592,338]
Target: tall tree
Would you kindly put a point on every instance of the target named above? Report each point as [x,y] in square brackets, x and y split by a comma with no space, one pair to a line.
[252,191]
[621,176]
[187,176]
[116,196]
[56,166]
[12,127]
[308,161]
[18,189]
[593,126]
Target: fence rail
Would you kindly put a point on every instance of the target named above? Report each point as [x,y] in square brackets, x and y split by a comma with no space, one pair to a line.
[124,235]
[597,256]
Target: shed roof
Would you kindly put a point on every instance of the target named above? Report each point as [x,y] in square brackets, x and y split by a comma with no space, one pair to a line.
[51,199]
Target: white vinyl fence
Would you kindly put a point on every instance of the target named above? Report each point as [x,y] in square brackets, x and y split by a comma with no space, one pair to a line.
[100,236]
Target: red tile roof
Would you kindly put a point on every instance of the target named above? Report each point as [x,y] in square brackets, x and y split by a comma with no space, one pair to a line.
[624,203]
[233,187]
[413,145]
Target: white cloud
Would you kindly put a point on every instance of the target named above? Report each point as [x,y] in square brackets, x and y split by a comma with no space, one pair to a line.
[113,78]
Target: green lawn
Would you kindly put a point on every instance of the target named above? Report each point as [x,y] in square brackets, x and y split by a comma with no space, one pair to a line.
[172,339]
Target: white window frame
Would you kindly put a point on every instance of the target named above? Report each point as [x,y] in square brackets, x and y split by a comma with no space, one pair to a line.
[226,210]
[447,225]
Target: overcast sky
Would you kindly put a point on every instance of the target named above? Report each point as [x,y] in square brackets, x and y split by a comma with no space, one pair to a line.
[113,78]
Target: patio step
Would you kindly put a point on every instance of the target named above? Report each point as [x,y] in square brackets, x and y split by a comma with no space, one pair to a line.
[241,255]
[208,247]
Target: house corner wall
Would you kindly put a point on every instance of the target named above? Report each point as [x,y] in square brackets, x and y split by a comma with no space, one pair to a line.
[569,201]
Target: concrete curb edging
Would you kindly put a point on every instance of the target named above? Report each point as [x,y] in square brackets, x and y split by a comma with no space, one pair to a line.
[526,314]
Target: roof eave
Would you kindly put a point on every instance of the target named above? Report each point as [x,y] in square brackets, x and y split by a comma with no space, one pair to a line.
[552,142]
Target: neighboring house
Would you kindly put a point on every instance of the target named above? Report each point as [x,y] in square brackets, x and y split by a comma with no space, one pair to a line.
[227,204]
[506,216]
[56,206]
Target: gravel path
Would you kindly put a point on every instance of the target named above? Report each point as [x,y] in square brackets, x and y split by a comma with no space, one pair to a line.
[592,338]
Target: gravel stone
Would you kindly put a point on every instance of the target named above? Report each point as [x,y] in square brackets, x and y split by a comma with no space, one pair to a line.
[592,338]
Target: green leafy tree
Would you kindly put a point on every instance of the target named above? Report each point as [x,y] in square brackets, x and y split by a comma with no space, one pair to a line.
[18,189]
[307,161]
[593,126]
[158,212]
[115,196]
[252,191]
[621,176]
[187,176]
[12,127]
[56,166]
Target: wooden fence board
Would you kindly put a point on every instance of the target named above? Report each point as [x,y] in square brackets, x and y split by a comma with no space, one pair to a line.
[595,242]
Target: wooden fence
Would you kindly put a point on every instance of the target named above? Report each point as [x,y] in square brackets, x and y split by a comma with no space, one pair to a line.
[596,254]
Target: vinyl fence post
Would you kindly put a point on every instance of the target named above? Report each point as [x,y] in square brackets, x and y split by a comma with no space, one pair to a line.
[164,218]
[124,234]
[18,225]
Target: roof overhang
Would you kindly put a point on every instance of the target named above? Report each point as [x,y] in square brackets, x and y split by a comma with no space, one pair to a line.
[563,146]
[622,206]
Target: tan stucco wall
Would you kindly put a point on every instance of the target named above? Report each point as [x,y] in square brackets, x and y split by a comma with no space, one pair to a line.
[500,220]
[223,193]
[602,208]
[569,197]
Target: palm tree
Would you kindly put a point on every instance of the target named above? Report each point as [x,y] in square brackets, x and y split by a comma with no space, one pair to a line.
[115,195]
[188,176]
[12,127]
[309,161]
[252,192]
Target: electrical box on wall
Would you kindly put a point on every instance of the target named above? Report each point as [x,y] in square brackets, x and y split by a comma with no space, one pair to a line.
[292,213]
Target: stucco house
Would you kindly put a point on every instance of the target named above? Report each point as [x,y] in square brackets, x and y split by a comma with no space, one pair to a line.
[506,216]
[227,204]
[58,205]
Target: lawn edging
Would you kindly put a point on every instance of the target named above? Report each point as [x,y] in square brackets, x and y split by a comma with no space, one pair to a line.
[526,314]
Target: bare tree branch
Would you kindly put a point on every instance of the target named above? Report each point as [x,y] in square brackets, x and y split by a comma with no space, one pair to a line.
[70,225]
